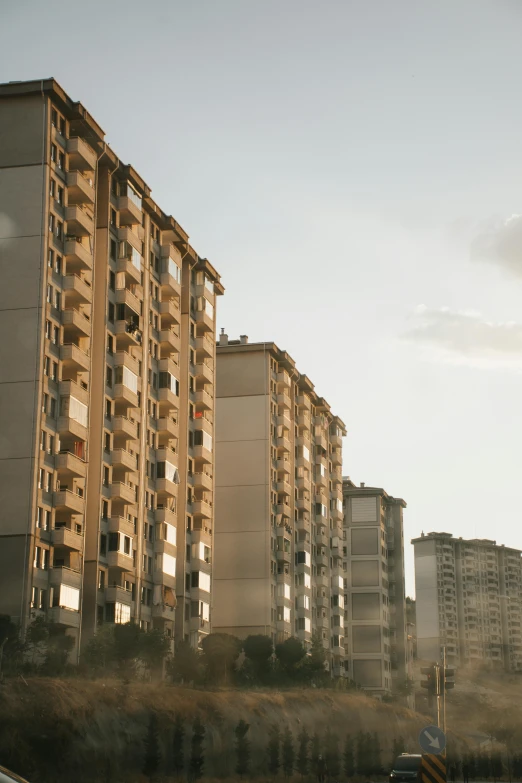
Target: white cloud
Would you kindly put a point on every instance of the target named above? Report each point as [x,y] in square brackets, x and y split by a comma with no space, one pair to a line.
[465,337]
[499,242]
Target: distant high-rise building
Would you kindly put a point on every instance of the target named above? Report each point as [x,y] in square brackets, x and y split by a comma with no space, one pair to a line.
[106,383]
[468,601]
[278,562]
[376,637]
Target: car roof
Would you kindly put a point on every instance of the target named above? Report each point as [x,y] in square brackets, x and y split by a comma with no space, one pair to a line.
[12,775]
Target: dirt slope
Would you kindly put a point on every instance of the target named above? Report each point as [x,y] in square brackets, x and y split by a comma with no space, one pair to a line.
[67,730]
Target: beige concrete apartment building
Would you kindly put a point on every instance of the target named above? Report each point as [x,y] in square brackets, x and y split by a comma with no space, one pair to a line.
[377,650]
[468,600]
[106,383]
[278,564]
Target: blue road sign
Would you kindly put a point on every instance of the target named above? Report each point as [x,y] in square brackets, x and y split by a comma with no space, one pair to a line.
[432,739]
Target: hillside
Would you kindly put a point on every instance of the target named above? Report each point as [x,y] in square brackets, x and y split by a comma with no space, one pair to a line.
[62,730]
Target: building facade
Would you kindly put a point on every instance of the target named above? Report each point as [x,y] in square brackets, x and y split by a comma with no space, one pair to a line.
[278,566]
[106,384]
[468,601]
[377,651]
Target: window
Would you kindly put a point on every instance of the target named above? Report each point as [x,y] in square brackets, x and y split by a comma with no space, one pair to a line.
[108,409]
[113,249]
[111,313]
[45,403]
[49,294]
[106,478]
[60,196]
[58,265]
[39,517]
[61,161]
[110,344]
[103,544]
[52,188]
[101,579]
[54,372]
[49,486]
[54,152]
[105,509]
[48,330]
[112,281]
[107,444]
[113,217]
[57,300]
[108,376]
[50,260]
[56,335]
[59,229]
[54,118]
[51,223]
[50,447]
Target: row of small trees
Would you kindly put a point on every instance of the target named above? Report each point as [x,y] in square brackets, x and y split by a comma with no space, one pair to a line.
[483,766]
[359,755]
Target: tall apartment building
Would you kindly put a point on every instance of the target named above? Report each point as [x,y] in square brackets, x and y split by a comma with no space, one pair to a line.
[106,383]
[468,600]
[376,637]
[278,564]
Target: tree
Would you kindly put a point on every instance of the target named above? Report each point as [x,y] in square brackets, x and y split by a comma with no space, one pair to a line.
[364,754]
[178,741]
[258,650]
[186,665]
[302,754]
[331,742]
[290,654]
[99,654]
[376,753]
[397,747]
[152,747]
[220,652]
[11,647]
[349,757]
[242,748]
[127,648]
[288,753]
[197,758]
[153,648]
[58,646]
[36,638]
[274,741]
[315,751]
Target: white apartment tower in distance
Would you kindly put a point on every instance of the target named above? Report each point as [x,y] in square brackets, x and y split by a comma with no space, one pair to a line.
[278,562]
[375,634]
[106,384]
[468,601]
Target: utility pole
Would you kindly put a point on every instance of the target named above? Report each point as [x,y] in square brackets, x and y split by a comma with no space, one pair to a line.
[437,691]
[444,689]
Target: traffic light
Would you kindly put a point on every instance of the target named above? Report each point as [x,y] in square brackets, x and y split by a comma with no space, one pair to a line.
[447,680]
[430,683]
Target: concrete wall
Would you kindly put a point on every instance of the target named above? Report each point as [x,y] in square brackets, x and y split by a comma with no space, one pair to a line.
[23,195]
[241,600]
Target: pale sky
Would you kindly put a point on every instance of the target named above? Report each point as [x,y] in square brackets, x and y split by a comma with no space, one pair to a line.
[352,170]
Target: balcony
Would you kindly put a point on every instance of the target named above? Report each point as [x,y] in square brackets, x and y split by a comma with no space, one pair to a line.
[126,297]
[166,488]
[166,515]
[204,320]
[203,399]
[74,358]
[284,510]
[72,389]
[124,460]
[161,578]
[284,400]
[127,334]
[76,323]
[284,466]
[203,372]
[125,396]
[337,457]
[130,213]
[116,593]
[62,575]
[77,255]
[202,480]
[81,156]
[302,461]
[67,464]
[77,290]
[336,441]
[321,442]
[79,222]
[200,508]
[303,402]
[205,346]
[68,539]
[121,425]
[303,503]
[202,454]
[71,427]
[322,601]
[165,547]
[164,612]
[168,426]
[123,492]
[124,359]
[169,285]
[200,625]
[168,400]
[120,561]
[321,580]
[284,488]
[132,273]
[283,379]
[169,341]
[80,190]
[283,557]
[133,235]
[303,483]
[120,525]
[322,560]
[170,312]
[65,500]
[67,618]
[284,421]
[283,445]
